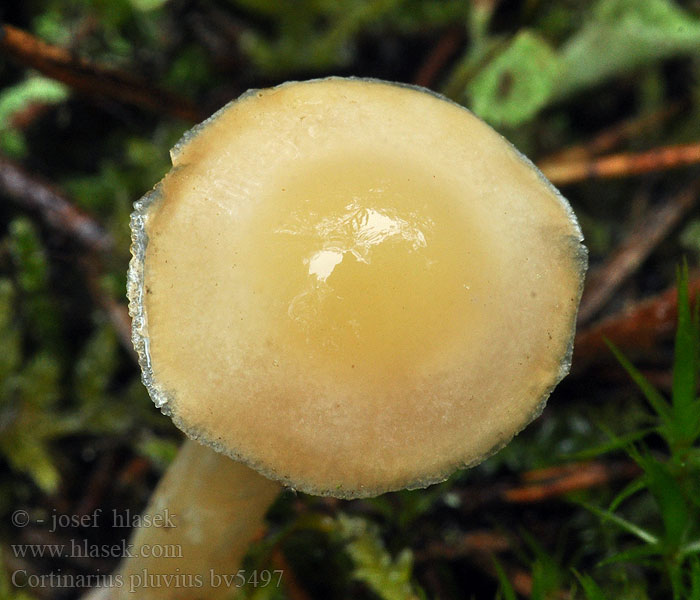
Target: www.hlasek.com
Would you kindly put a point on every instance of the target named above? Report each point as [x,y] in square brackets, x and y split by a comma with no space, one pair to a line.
[82,549]
[145,579]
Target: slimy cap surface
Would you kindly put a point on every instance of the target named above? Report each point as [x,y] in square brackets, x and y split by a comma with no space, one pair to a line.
[353,286]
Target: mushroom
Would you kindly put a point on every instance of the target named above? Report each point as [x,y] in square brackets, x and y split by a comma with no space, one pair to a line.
[349,287]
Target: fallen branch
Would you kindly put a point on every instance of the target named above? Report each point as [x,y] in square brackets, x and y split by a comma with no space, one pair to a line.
[435,62]
[35,194]
[59,213]
[117,313]
[292,587]
[545,484]
[638,328]
[90,79]
[29,114]
[553,482]
[480,547]
[623,164]
[608,139]
[483,541]
[602,284]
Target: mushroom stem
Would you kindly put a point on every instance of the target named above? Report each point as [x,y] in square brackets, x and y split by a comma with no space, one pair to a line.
[203,516]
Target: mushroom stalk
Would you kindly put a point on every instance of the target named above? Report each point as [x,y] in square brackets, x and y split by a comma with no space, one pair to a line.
[196,529]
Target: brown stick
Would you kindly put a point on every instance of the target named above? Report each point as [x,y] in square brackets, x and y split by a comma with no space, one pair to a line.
[537,486]
[557,481]
[90,79]
[33,193]
[637,328]
[546,484]
[116,312]
[445,49]
[292,587]
[620,165]
[482,541]
[626,259]
[608,139]
[480,546]
[38,195]
[29,114]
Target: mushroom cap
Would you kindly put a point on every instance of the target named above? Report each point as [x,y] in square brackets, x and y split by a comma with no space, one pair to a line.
[353,286]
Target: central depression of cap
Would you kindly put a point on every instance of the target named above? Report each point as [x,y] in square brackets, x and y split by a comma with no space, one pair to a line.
[353,286]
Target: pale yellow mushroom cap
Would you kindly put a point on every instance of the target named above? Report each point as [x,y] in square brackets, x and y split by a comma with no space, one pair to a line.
[353,286]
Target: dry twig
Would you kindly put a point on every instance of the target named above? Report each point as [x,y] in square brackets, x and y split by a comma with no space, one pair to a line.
[545,484]
[623,164]
[90,79]
[55,209]
[440,55]
[116,312]
[292,587]
[97,483]
[535,486]
[58,212]
[608,139]
[473,542]
[602,284]
[480,547]
[638,328]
